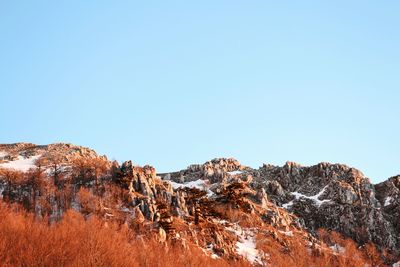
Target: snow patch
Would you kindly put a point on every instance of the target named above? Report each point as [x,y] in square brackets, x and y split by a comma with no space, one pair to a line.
[3,154]
[287,205]
[287,233]
[199,184]
[234,172]
[21,164]
[388,201]
[214,256]
[246,244]
[246,247]
[314,198]
[209,250]
[397,264]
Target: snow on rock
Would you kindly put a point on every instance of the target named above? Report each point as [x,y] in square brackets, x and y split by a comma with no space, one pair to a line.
[209,252]
[21,164]
[287,205]
[247,248]
[199,184]
[234,172]
[388,201]
[287,233]
[397,264]
[314,198]
[214,256]
[246,244]
[3,154]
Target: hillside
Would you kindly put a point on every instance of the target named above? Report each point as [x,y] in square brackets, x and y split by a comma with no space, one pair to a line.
[219,212]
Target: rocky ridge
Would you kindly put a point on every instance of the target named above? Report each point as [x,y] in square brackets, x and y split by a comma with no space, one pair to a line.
[196,204]
[330,196]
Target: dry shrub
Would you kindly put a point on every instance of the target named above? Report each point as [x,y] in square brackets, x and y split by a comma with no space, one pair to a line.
[295,251]
[74,241]
[89,202]
[71,242]
[351,253]
[284,252]
[12,176]
[233,215]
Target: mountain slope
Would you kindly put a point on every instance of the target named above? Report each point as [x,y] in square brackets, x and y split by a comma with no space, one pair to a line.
[271,215]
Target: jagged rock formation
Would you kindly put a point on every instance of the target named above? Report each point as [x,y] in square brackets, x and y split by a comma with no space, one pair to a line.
[197,204]
[330,196]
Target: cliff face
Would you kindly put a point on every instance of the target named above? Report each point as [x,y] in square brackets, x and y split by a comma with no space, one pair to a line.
[223,207]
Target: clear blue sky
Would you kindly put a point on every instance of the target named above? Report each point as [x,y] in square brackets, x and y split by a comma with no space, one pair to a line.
[170,83]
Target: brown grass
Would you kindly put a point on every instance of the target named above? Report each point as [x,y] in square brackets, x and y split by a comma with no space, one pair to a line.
[295,251]
[74,241]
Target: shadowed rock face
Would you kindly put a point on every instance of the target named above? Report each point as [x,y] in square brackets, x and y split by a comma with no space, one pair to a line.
[336,197]
[388,194]
[331,196]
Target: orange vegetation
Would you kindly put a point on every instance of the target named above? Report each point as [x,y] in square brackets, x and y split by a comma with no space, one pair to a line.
[333,250]
[74,241]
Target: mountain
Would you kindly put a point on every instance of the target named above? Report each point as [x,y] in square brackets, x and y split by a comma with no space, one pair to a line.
[322,215]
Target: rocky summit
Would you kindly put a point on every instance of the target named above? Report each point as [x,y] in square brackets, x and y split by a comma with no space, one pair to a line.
[269,216]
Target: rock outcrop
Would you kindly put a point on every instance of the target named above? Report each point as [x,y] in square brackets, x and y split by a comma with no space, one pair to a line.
[330,196]
[335,197]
